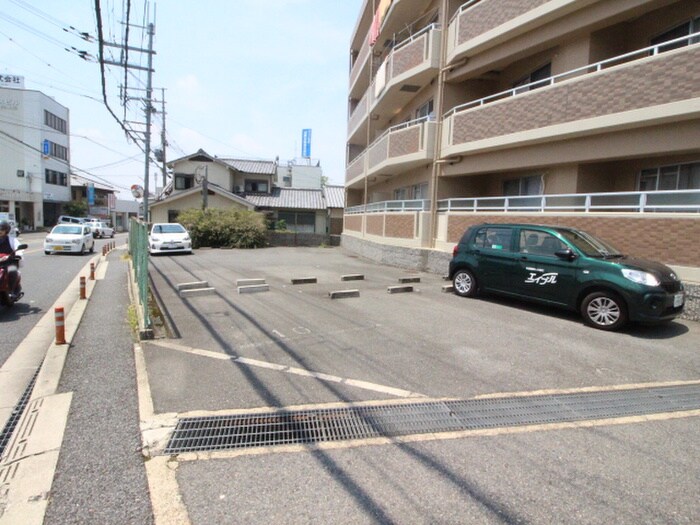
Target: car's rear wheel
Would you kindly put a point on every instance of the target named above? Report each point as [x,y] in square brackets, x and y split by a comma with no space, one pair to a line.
[464,283]
[604,310]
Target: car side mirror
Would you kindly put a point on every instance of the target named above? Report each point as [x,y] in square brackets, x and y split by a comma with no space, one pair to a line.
[566,254]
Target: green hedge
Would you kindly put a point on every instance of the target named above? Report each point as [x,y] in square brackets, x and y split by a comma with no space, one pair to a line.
[216,228]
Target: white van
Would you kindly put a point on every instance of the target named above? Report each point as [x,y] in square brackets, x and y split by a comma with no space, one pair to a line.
[67,219]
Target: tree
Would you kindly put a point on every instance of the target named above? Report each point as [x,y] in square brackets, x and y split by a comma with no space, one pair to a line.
[76,208]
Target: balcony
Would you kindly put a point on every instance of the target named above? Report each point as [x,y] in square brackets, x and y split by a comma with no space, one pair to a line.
[358,121]
[361,65]
[629,93]
[409,67]
[478,25]
[402,147]
[398,149]
[355,172]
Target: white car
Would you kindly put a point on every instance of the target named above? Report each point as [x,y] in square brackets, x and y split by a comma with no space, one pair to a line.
[102,229]
[94,226]
[169,237]
[69,238]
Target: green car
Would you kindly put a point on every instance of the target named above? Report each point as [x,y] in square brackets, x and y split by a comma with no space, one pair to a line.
[567,268]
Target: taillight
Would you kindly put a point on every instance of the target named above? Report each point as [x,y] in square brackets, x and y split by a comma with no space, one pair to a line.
[454,250]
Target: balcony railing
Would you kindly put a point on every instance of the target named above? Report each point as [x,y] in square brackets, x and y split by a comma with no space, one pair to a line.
[673,201]
[390,206]
[678,201]
[590,68]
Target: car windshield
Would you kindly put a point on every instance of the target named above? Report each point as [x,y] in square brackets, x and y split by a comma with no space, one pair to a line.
[590,245]
[168,228]
[70,230]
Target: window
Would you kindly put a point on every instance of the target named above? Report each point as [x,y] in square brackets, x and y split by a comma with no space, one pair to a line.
[426,110]
[523,186]
[55,122]
[685,29]
[539,243]
[400,194]
[58,151]
[56,177]
[540,76]
[183,182]
[256,186]
[420,191]
[678,177]
[493,238]
[301,222]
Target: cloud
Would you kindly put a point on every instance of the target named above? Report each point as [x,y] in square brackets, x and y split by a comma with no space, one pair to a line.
[190,94]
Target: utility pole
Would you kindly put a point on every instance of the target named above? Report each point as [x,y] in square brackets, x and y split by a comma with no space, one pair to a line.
[163,142]
[149,110]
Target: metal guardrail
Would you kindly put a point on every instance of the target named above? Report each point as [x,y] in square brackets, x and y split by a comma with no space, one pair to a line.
[590,68]
[138,248]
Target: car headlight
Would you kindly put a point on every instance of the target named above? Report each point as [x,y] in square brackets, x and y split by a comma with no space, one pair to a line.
[187,238]
[155,239]
[639,277]
[48,239]
[76,241]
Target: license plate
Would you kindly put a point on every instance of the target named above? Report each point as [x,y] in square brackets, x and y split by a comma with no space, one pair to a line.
[58,248]
[678,299]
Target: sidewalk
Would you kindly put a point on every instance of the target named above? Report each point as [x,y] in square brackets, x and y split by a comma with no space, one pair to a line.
[99,469]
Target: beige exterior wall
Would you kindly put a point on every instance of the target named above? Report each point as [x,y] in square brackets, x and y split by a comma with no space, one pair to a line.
[216,173]
[159,212]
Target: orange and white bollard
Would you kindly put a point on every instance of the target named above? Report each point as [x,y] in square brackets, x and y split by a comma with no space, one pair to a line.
[82,287]
[60,326]
[104,250]
[92,271]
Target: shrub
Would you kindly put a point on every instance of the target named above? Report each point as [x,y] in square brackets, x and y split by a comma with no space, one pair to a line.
[231,228]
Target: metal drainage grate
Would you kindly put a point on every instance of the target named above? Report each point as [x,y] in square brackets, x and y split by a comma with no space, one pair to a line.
[338,424]
[17,412]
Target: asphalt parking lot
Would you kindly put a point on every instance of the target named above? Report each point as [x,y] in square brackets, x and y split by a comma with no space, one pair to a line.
[291,347]
[427,341]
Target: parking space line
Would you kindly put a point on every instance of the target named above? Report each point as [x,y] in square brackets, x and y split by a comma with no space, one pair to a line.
[384,389]
[608,388]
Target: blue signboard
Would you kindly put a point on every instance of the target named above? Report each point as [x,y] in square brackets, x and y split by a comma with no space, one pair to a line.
[306,143]
[46,147]
[91,194]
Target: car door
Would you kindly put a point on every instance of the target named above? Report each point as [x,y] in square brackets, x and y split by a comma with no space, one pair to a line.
[496,261]
[541,274]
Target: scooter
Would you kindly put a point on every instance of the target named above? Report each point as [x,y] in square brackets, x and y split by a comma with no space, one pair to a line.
[11,262]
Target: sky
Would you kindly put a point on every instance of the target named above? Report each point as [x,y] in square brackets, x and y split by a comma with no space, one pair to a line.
[242,78]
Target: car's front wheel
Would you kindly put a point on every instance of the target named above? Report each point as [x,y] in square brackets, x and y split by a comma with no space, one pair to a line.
[604,310]
[82,249]
[464,283]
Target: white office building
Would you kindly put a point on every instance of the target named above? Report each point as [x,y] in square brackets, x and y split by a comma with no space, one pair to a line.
[35,152]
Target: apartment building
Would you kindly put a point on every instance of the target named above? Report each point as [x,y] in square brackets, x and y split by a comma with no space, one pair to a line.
[576,112]
[35,152]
